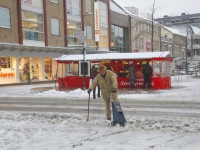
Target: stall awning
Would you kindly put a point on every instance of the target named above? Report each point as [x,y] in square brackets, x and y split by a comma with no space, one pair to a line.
[113,56]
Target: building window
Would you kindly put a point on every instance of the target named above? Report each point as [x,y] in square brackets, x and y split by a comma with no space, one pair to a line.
[103,37]
[32,26]
[170,48]
[88,30]
[103,13]
[176,39]
[88,6]
[118,38]
[36,3]
[55,26]
[176,49]
[4,17]
[136,26]
[54,1]
[183,51]
[74,7]
[72,28]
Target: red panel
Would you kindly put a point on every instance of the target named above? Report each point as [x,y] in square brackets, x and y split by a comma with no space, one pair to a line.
[73,82]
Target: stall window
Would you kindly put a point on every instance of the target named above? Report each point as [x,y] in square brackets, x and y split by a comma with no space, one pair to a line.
[5,62]
[4,17]
[72,69]
[156,68]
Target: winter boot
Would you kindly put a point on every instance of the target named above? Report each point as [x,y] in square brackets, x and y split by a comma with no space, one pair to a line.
[94,97]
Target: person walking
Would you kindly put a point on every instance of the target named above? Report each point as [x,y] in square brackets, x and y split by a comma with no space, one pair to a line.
[107,82]
[94,73]
[147,71]
[131,75]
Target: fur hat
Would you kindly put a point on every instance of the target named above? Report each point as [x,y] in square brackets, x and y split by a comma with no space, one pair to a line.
[101,67]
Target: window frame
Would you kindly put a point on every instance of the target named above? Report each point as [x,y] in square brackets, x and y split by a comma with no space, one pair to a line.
[54,26]
[8,27]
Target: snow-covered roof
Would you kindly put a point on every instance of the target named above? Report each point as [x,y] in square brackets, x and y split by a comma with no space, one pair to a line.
[196,30]
[175,31]
[111,56]
[117,8]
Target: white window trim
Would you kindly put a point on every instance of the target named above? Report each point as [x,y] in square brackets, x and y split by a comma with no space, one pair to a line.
[54,1]
[58,27]
[9,19]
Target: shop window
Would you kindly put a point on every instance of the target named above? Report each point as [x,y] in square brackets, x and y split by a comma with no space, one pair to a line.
[55,26]
[48,68]
[4,17]
[24,72]
[5,62]
[32,25]
[36,3]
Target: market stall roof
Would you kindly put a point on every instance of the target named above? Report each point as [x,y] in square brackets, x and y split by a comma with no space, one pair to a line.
[113,56]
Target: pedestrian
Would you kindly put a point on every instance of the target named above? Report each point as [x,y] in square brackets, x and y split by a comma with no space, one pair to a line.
[131,75]
[147,71]
[107,82]
[94,73]
[108,67]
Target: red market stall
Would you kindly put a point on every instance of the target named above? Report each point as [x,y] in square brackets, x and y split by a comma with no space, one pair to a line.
[74,72]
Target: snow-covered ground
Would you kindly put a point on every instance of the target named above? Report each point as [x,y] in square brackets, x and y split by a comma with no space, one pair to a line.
[64,131]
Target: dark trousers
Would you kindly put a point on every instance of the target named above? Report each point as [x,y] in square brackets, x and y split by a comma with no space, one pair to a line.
[146,80]
[94,92]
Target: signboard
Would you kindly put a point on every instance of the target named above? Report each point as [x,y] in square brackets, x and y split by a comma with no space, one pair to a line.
[148,46]
[96,21]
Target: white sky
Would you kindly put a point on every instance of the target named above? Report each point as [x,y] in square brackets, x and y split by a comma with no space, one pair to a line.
[167,7]
[65,131]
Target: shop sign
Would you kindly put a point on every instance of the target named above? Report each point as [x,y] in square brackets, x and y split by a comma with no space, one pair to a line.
[105,61]
[148,46]
[96,21]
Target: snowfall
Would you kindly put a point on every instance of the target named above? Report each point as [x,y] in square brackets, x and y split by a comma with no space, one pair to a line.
[68,131]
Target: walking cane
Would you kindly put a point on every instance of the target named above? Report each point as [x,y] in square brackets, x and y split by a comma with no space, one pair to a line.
[88,107]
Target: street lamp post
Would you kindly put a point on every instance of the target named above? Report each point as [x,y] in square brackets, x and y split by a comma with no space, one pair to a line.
[84,54]
[186,50]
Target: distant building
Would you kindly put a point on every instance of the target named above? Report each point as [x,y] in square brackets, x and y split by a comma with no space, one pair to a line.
[120,28]
[188,24]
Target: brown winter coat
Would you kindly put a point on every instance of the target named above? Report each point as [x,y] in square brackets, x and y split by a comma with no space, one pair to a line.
[106,85]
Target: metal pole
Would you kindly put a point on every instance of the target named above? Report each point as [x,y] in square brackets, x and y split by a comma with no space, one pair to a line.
[187,51]
[84,53]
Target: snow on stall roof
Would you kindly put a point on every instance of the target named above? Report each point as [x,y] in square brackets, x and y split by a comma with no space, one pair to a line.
[110,56]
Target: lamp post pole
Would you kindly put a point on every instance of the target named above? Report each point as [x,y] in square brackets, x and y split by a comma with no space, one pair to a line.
[186,50]
[84,78]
